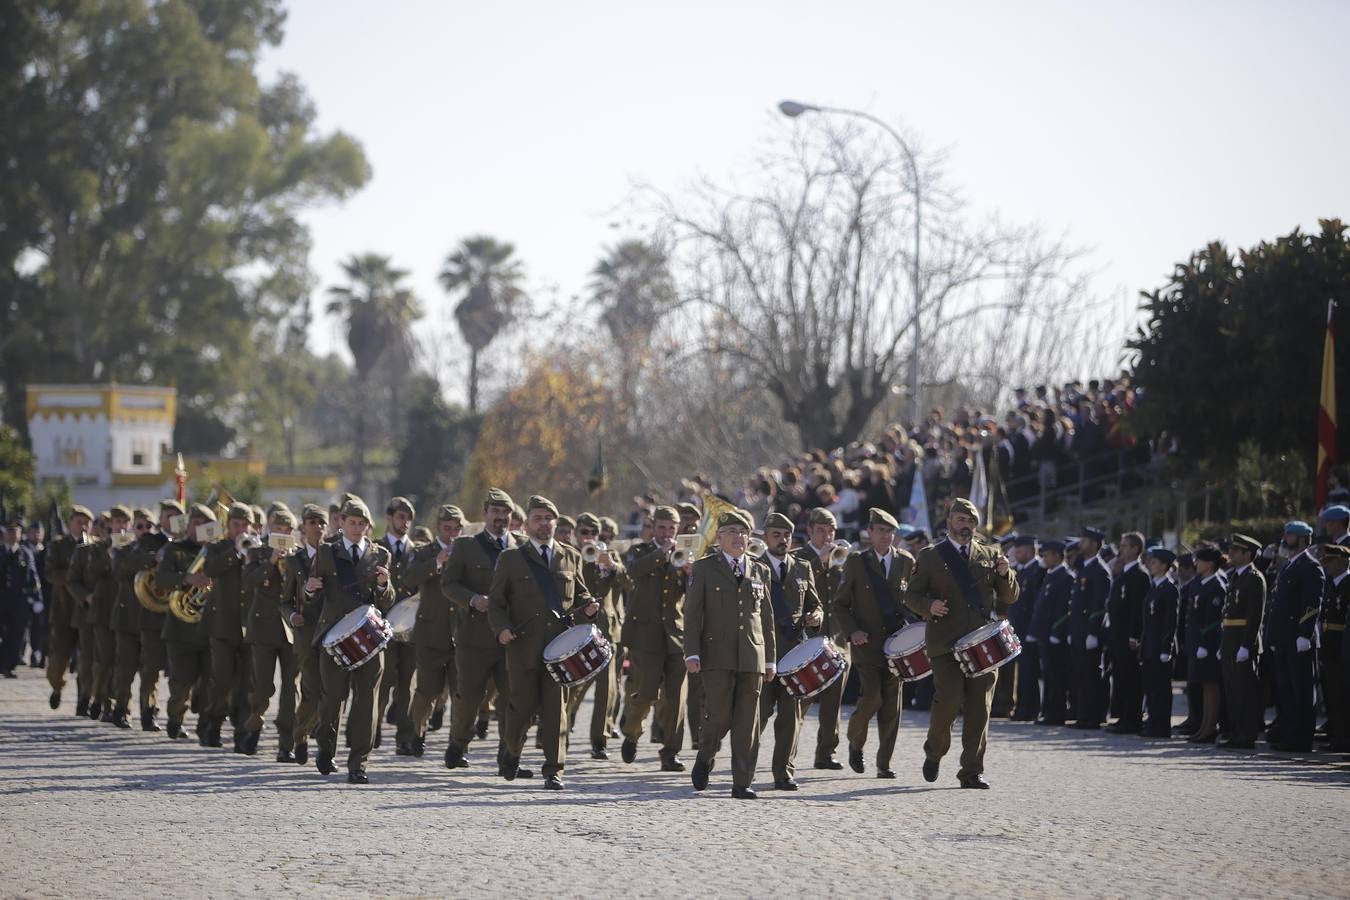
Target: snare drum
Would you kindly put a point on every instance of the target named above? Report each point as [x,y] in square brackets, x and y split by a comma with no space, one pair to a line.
[402,617]
[986,648]
[357,637]
[577,655]
[811,667]
[907,652]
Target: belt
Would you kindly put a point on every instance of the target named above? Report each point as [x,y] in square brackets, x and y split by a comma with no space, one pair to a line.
[1333,626]
[1234,623]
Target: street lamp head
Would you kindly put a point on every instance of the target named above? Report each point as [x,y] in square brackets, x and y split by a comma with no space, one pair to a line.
[792,109]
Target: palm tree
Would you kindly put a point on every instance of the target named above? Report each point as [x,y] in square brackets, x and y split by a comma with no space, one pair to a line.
[483,268]
[379,311]
[633,286]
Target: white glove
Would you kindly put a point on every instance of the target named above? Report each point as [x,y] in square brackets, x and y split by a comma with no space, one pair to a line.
[1202,653]
[1031,639]
[1090,642]
[1218,654]
[1164,657]
[1303,645]
[38,608]
[1054,640]
[1242,655]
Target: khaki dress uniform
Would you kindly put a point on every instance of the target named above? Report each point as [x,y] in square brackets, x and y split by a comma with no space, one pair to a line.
[830,700]
[608,590]
[126,623]
[653,634]
[231,661]
[298,566]
[729,627]
[433,635]
[64,632]
[271,644]
[97,584]
[400,657]
[793,581]
[186,644]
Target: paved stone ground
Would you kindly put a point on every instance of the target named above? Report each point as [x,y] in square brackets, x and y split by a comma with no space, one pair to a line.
[87,809]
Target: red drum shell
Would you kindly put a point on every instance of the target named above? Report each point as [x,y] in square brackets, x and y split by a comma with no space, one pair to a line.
[986,648]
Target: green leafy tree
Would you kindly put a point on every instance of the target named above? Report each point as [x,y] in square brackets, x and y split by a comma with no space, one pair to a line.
[634,289]
[433,456]
[483,269]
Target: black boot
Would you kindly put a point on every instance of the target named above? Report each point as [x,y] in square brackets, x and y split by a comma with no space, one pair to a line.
[417,746]
[81,706]
[148,722]
[54,701]
[302,752]
[437,719]
[454,757]
[95,708]
[175,730]
[109,713]
[213,734]
[250,742]
[121,717]
[481,728]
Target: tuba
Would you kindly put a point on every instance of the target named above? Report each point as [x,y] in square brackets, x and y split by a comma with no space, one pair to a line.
[187,604]
[152,598]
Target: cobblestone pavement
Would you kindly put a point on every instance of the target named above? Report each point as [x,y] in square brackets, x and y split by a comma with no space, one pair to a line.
[88,809]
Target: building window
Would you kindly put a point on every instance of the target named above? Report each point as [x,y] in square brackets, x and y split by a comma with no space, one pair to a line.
[137,456]
[71,455]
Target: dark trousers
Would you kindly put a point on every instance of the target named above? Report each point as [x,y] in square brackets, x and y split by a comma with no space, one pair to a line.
[953,692]
[14,613]
[1242,695]
[38,629]
[1158,693]
[1334,692]
[880,697]
[1028,669]
[828,703]
[1294,696]
[731,704]
[1057,668]
[363,685]
[1088,687]
[1127,693]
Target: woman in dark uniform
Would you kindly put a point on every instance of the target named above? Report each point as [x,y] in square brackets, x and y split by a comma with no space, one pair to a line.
[1203,633]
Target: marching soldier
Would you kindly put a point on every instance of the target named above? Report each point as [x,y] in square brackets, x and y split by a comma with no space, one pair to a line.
[1026,668]
[609,530]
[1050,634]
[869,607]
[1334,607]
[565,532]
[400,657]
[300,610]
[479,657]
[1295,603]
[1158,641]
[128,561]
[606,579]
[231,661]
[1125,615]
[536,589]
[1087,611]
[433,635]
[977,578]
[1240,644]
[690,518]
[821,528]
[348,574]
[98,585]
[653,635]
[63,634]
[154,657]
[186,644]
[1203,622]
[796,607]
[729,639]
[271,641]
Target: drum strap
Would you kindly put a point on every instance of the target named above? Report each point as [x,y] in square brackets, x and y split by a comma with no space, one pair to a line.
[782,615]
[544,578]
[490,547]
[956,564]
[891,615]
[346,573]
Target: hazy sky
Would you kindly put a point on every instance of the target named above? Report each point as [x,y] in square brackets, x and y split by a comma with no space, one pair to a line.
[1142,129]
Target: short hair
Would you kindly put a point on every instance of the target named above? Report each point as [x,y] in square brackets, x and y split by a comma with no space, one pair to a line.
[1134,538]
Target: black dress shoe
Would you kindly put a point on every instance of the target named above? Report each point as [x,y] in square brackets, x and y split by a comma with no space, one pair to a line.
[553,783]
[109,715]
[54,701]
[855,761]
[148,722]
[9,673]
[358,778]
[885,773]
[508,767]
[598,751]
[930,769]
[975,782]
[251,742]
[1198,738]
[481,728]
[614,733]
[175,730]
[522,772]
[401,749]
[325,764]
[417,746]
[122,719]
[437,720]
[302,752]
[454,757]
[831,764]
[784,784]
[212,737]
[672,764]
[699,776]
[81,706]
[285,756]
[95,708]
[628,751]
[744,793]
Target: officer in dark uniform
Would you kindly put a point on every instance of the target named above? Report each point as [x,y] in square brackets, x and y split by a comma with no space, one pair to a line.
[1158,644]
[1334,669]
[1026,669]
[1195,701]
[1203,620]
[1241,644]
[1005,689]
[1295,603]
[1125,618]
[40,615]
[1050,633]
[1087,610]
[19,589]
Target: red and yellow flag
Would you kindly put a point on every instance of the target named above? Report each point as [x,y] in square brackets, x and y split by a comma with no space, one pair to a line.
[1326,414]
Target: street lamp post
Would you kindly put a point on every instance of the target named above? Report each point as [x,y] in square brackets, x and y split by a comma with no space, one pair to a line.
[792,109]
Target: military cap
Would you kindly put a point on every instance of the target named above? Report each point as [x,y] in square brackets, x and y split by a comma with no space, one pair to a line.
[777,520]
[1054,546]
[1071,544]
[962,505]
[916,534]
[1210,555]
[668,514]
[1246,543]
[259,516]
[356,507]
[140,512]
[1335,550]
[1025,540]
[688,509]
[203,511]
[1005,540]
[400,504]
[566,522]
[276,505]
[499,497]
[608,524]
[1094,534]
[538,501]
[348,495]
[1186,560]
[1162,555]
[239,511]
[105,515]
[589,520]
[284,516]
[78,510]
[822,516]
[450,513]
[171,505]
[15,520]
[1339,495]
[1336,513]
[1302,529]
[517,511]
[422,535]
[314,511]
[877,516]
[120,511]
[735,518]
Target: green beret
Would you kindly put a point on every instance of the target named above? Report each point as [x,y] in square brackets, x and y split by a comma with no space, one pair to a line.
[733,518]
[1246,542]
[314,511]
[239,511]
[688,509]
[881,517]
[822,516]
[203,511]
[777,520]
[665,514]
[78,510]
[400,504]
[589,520]
[499,497]
[284,516]
[172,505]
[962,505]
[356,507]
[120,511]
[105,515]
[259,516]
[1329,550]
[346,496]
[608,524]
[276,505]
[450,513]
[566,522]
[422,535]
[140,512]
[538,501]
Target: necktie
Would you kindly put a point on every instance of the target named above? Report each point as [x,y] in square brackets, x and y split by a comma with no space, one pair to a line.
[501,542]
[543,551]
[782,570]
[965,552]
[356,553]
[398,548]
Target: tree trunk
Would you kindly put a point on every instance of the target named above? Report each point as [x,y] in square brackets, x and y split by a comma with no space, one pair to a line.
[473,379]
[359,457]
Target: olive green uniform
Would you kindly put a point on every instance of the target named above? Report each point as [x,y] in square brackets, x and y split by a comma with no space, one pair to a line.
[828,701]
[97,583]
[607,587]
[271,645]
[653,635]
[231,661]
[400,657]
[128,618]
[478,655]
[1242,611]
[793,577]
[64,633]
[295,600]
[433,635]
[186,644]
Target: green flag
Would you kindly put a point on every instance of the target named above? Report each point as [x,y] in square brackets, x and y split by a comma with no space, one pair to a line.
[596,482]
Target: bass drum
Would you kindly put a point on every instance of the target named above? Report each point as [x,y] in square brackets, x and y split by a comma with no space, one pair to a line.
[402,617]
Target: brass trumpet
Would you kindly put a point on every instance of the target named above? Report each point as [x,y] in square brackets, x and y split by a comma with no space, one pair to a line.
[592,552]
[839,553]
[756,548]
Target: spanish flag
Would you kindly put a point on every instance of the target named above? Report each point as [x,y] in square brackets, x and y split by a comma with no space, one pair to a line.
[1326,415]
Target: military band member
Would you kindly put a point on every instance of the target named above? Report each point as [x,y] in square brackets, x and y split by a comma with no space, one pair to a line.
[821,527]
[869,607]
[1335,605]
[186,644]
[1050,631]
[98,583]
[479,657]
[796,607]
[349,573]
[536,591]
[1295,602]
[654,638]
[1125,615]
[729,640]
[231,661]
[300,610]
[1203,637]
[433,635]
[566,531]
[154,655]
[1025,670]
[1158,641]
[128,561]
[63,634]
[1087,614]
[271,641]
[957,584]
[400,657]
[1240,644]
[606,578]
[609,531]
[690,519]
